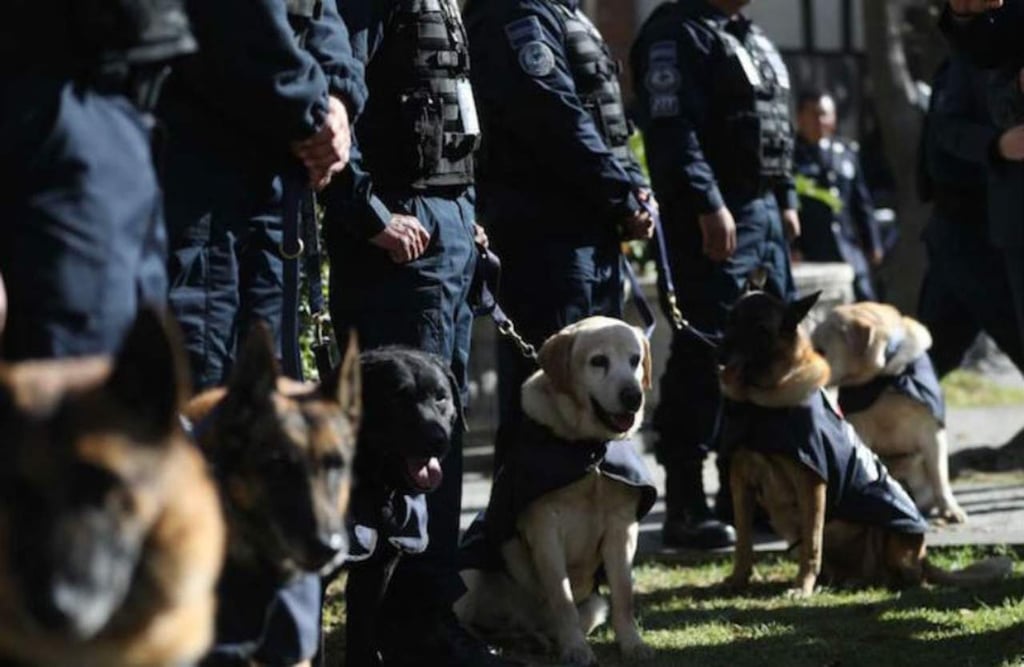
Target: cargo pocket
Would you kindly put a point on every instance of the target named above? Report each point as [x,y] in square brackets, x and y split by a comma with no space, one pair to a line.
[414,319]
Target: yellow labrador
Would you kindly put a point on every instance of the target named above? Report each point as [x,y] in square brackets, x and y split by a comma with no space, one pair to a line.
[891,396]
[581,406]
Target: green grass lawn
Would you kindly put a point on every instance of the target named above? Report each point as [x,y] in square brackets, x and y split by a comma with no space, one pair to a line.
[690,620]
[969,389]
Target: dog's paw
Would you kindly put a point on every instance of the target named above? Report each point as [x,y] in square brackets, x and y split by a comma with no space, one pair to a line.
[636,651]
[799,592]
[953,514]
[736,581]
[578,653]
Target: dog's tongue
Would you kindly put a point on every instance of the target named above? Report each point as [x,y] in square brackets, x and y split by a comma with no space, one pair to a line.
[426,474]
[622,422]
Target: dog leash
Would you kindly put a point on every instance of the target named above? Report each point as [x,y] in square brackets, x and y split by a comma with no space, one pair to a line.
[482,296]
[301,240]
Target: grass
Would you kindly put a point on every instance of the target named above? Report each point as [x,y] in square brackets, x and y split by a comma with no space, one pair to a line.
[969,389]
[690,620]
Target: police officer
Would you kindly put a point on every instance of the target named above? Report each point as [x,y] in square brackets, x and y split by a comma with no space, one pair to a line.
[965,290]
[836,214]
[82,242]
[253,108]
[988,33]
[559,187]
[401,235]
[714,107]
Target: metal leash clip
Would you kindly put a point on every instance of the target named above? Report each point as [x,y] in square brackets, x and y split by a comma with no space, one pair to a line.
[507,329]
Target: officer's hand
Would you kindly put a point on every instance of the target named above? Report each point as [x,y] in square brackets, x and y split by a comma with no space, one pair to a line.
[877,255]
[480,236]
[791,224]
[1011,144]
[326,152]
[404,239]
[637,227]
[719,231]
[974,6]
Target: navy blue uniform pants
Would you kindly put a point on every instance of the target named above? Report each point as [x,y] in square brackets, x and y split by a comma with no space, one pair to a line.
[546,284]
[225,269]
[689,405]
[965,292]
[224,223]
[421,304]
[82,242]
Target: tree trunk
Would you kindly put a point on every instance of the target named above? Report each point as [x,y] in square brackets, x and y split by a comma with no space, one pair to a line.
[900,118]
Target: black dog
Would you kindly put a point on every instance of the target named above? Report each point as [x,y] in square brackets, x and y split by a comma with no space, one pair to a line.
[411,410]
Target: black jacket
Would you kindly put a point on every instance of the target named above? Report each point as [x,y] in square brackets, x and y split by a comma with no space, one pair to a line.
[917,381]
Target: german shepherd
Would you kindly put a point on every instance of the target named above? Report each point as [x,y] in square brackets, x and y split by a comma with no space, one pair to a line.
[282,453]
[111,533]
[774,378]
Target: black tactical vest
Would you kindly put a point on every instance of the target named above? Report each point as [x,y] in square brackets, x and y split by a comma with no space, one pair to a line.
[751,139]
[420,128]
[596,75]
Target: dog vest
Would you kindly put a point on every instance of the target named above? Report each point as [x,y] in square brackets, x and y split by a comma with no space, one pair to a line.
[859,488]
[538,463]
[918,381]
[400,520]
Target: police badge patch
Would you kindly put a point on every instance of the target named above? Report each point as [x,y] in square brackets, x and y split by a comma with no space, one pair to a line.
[537,59]
[663,78]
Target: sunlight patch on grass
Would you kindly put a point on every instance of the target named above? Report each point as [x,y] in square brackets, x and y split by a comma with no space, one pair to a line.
[968,389]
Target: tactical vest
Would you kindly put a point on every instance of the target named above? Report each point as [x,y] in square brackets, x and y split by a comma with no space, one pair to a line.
[596,75]
[751,141]
[420,126]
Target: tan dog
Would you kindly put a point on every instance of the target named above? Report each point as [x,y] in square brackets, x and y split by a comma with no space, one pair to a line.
[869,345]
[792,453]
[111,534]
[589,391]
[283,454]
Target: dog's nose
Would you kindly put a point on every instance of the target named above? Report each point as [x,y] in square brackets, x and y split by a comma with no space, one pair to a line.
[631,398]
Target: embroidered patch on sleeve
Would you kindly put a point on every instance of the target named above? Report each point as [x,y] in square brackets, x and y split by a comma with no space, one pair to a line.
[537,59]
[523,31]
[664,106]
[663,79]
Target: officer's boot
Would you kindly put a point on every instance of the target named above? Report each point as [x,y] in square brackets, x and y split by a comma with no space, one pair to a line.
[689,522]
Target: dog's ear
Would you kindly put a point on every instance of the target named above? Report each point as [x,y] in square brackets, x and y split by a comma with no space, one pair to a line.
[645,345]
[254,378]
[345,384]
[858,336]
[797,311]
[149,377]
[460,410]
[555,359]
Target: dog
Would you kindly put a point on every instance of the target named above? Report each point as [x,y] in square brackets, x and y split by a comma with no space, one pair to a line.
[891,395]
[823,489]
[282,454]
[111,533]
[413,408]
[566,504]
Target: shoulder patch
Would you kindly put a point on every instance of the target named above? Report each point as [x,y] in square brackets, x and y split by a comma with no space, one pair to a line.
[523,31]
[537,59]
[663,75]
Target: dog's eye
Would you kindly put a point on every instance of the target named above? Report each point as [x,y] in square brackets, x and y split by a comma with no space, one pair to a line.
[441,396]
[634,361]
[599,361]
[333,461]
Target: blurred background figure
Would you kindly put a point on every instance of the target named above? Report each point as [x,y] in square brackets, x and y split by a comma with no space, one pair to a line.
[836,213]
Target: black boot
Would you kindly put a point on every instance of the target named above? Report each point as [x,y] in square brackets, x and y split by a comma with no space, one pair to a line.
[689,522]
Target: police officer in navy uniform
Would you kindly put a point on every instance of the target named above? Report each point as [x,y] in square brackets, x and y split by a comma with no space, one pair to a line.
[965,289]
[836,214]
[82,242]
[253,108]
[401,231]
[714,100]
[559,186]
[988,33]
